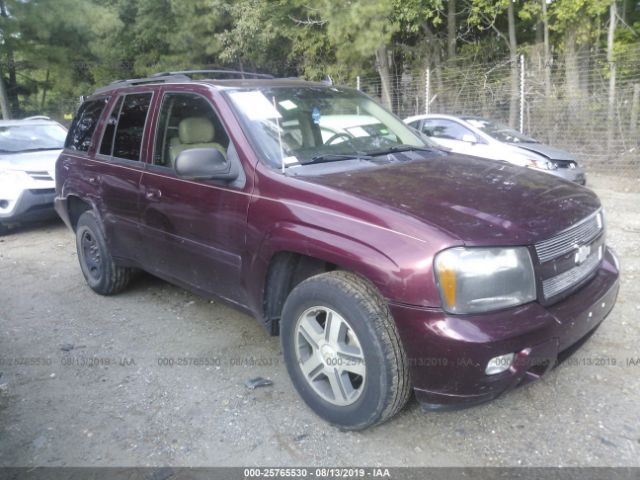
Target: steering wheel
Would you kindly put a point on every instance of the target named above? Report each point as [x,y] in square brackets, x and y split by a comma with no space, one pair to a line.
[336,136]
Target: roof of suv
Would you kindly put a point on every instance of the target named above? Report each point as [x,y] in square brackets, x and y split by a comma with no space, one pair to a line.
[168,78]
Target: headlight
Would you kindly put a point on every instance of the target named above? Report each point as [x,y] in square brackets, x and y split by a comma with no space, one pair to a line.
[7,175]
[541,164]
[12,182]
[473,280]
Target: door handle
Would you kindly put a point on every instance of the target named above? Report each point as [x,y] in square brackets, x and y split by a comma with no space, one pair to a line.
[152,193]
[93,180]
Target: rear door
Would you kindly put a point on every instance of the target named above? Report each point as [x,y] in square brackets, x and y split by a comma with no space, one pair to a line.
[194,230]
[120,154]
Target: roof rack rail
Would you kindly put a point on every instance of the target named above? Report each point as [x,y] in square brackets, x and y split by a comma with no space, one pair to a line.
[180,76]
[223,71]
[143,81]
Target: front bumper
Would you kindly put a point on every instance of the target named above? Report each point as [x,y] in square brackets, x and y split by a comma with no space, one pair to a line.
[448,354]
[30,205]
[576,175]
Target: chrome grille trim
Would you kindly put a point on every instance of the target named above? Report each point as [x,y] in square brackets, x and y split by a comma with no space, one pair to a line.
[555,285]
[580,233]
[40,175]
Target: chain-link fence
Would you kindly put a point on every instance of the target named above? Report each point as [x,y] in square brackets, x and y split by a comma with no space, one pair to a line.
[563,103]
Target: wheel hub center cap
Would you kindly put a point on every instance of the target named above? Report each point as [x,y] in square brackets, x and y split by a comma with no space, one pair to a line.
[328,354]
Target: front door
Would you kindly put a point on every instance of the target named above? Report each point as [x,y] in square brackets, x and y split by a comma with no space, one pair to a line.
[458,138]
[194,230]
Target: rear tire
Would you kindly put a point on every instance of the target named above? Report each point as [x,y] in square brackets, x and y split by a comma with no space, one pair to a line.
[343,352]
[102,274]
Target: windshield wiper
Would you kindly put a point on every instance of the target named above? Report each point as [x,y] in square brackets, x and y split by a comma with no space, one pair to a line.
[403,148]
[334,157]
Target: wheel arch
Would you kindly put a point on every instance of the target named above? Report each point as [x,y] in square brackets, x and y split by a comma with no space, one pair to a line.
[292,253]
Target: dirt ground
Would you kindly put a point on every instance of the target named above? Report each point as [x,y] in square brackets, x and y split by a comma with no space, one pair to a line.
[88,380]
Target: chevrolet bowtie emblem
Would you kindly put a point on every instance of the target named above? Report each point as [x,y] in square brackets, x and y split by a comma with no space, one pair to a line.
[582,253]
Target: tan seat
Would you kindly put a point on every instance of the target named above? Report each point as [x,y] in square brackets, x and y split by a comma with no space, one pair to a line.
[193,132]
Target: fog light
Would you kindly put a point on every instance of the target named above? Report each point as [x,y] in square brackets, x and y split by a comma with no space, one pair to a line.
[499,364]
[4,203]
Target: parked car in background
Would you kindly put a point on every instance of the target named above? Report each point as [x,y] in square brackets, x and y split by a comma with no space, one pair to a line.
[479,137]
[383,269]
[29,149]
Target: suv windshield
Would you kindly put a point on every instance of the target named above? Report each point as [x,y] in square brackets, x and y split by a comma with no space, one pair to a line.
[500,132]
[298,125]
[25,138]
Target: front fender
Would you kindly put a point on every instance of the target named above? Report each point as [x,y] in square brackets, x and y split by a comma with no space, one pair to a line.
[402,273]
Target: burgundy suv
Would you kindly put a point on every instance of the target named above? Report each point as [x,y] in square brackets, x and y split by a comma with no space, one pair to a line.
[385,264]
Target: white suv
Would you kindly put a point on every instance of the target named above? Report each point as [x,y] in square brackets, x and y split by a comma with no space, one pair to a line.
[29,149]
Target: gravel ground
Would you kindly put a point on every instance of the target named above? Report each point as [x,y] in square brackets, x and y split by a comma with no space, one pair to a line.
[85,381]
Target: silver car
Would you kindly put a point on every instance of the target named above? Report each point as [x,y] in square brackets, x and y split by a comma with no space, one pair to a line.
[480,137]
[29,149]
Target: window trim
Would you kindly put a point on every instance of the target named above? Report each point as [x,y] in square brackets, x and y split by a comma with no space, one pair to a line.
[113,159]
[163,168]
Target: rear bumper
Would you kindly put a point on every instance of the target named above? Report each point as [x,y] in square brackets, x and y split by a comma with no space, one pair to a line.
[448,354]
[29,205]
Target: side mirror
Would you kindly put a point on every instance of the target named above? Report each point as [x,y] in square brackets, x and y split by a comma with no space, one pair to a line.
[205,163]
[469,138]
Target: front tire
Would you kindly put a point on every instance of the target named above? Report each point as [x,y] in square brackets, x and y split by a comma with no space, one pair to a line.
[102,274]
[343,352]
[3,229]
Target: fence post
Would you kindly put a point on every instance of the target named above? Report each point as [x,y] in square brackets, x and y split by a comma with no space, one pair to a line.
[358,83]
[427,88]
[635,108]
[521,93]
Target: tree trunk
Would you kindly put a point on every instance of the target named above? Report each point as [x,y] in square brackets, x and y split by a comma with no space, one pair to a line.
[10,88]
[4,102]
[612,76]
[44,91]
[384,70]
[513,46]
[635,110]
[451,30]
[547,50]
[572,80]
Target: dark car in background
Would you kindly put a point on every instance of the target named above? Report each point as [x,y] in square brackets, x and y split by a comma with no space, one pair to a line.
[385,265]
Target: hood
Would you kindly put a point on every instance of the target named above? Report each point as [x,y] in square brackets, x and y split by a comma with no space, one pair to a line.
[480,202]
[546,151]
[40,161]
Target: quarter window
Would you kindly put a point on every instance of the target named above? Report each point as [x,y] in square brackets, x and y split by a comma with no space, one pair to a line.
[186,121]
[106,145]
[130,128]
[84,124]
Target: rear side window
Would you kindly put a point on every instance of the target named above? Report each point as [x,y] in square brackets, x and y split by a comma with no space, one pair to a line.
[84,124]
[129,130]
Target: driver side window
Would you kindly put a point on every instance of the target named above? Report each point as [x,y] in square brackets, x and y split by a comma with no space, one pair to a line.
[186,121]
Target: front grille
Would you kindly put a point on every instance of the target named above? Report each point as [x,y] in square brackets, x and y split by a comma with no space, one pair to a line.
[40,175]
[582,233]
[555,285]
[42,191]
